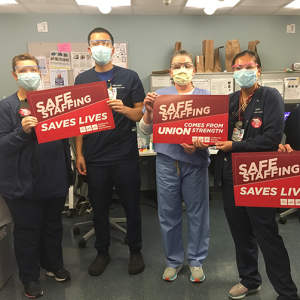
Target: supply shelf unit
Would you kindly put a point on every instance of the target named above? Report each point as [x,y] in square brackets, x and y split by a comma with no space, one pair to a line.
[155,80]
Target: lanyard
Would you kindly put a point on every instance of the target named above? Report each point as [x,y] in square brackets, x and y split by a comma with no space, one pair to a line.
[241,107]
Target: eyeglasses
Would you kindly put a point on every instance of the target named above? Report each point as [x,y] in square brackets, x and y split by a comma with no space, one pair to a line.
[177,66]
[26,69]
[104,43]
[248,66]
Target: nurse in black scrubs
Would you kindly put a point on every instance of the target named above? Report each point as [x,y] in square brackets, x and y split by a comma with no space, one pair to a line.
[256,123]
[34,181]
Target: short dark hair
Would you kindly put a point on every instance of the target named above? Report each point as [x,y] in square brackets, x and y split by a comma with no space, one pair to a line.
[23,56]
[248,52]
[182,52]
[99,30]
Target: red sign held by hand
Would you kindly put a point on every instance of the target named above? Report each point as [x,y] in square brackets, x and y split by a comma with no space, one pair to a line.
[182,118]
[266,179]
[71,111]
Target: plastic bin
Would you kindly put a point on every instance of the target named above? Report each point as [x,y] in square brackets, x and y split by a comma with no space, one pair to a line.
[6,251]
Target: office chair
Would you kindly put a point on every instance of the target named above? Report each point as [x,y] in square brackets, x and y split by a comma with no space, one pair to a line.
[282,219]
[112,221]
[81,185]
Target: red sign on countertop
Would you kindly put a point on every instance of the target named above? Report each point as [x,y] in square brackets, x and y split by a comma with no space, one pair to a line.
[266,179]
[71,111]
[181,118]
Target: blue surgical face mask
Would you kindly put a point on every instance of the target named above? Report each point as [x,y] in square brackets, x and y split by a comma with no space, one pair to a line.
[245,78]
[29,81]
[101,55]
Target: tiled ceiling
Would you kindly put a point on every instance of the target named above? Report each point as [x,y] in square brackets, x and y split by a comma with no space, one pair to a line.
[149,7]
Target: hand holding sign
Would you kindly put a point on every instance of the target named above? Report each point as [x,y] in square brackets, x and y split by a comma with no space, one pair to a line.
[189,149]
[28,123]
[198,144]
[285,148]
[148,101]
[117,105]
[224,146]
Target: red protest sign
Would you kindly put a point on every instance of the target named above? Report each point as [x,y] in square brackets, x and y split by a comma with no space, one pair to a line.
[54,102]
[181,118]
[266,179]
[70,111]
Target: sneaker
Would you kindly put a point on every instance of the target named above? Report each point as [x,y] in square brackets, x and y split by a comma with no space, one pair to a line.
[136,264]
[170,274]
[239,291]
[98,266]
[197,274]
[60,275]
[33,290]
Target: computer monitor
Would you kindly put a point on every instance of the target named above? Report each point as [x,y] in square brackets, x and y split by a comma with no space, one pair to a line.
[288,107]
[286,114]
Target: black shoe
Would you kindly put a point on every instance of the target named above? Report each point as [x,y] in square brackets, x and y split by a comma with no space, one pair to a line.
[136,264]
[60,275]
[98,266]
[33,290]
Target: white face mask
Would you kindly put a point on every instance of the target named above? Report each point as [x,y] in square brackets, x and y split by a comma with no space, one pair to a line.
[29,81]
[183,76]
[101,54]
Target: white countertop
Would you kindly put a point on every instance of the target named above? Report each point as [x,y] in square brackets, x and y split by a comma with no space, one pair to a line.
[152,152]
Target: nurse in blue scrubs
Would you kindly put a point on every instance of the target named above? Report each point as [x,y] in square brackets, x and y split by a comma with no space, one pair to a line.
[181,173]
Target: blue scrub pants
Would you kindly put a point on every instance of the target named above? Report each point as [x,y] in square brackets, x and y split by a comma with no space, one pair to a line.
[191,184]
[38,233]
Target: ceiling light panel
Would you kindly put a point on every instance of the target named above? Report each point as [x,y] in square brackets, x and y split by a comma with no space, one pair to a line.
[111,2]
[120,3]
[196,3]
[8,2]
[276,3]
[204,3]
[294,4]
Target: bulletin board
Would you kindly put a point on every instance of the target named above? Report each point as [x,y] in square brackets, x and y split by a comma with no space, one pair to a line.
[44,49]
[120,57]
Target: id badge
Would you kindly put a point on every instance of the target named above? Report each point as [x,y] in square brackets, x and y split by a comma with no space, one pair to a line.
[237,134]
[112,93]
